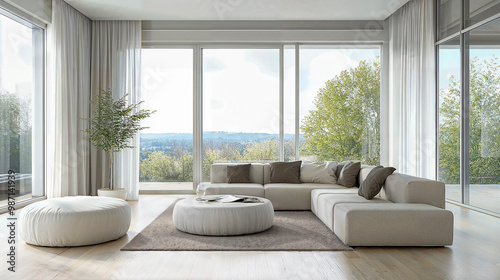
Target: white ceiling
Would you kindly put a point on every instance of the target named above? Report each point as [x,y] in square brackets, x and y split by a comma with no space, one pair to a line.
[237,9]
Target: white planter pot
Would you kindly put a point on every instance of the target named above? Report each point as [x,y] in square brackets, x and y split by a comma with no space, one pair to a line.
[117,193]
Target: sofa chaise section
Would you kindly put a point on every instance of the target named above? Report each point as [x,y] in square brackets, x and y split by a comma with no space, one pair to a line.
[409,211]
[393,224]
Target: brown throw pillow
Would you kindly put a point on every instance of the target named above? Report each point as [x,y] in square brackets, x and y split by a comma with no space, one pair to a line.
[238,173]
[349,174]
[374,181]
[285,172]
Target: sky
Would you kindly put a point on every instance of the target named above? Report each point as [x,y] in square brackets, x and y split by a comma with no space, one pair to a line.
[240,86]
[17,57]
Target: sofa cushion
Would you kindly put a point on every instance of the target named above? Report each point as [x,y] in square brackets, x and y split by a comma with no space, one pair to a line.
[218,173]
[318,172]
[325,208]
[393,224]
[236,189]
[315,193]
[238,173]
[285,172]
[373,183]
[349,174]
[293,196]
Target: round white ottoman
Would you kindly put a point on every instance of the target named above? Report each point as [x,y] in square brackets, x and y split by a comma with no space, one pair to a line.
[74,221]
[216,218]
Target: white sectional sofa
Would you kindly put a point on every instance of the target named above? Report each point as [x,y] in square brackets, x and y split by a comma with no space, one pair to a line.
[409,211]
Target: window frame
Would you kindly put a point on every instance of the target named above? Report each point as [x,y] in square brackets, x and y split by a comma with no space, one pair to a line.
[39,30]
[198,92]
[463,34]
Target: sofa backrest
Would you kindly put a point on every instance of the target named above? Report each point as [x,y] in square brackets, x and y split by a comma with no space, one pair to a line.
[365,169]
[404,188]
[218,173]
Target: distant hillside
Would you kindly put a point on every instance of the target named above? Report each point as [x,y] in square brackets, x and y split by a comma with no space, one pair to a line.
[227,136]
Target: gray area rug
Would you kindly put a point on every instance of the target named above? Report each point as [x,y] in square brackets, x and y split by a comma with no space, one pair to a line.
[291,231]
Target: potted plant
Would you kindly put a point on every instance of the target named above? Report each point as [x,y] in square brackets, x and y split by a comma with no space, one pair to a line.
[111,127]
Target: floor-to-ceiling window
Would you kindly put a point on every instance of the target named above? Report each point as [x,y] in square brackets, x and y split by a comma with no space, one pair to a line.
[484,116]
[469,102]
[240,105]
[340,103]
[166,149]
[449,117]
[21,109]
[256,103]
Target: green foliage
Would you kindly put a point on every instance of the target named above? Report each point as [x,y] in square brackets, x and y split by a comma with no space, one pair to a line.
[159,167]
[262,151]
[346,122]
[15,132]
[484,127]
[114,122]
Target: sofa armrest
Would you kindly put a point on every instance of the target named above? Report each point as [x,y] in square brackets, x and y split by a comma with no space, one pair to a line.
[402,188]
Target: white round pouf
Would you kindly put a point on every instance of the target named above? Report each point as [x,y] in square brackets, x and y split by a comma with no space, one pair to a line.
[74,221]
[216,218]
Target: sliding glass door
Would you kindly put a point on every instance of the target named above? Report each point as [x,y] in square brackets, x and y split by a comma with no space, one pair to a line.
[483,186]
[469,102]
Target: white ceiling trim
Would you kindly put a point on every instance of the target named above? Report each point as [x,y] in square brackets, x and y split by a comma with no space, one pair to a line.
[237,9]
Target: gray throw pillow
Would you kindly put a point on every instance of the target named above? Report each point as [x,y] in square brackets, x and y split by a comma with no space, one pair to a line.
[374,181]
[318,172]
[238,173]
[349,174]
[285,172]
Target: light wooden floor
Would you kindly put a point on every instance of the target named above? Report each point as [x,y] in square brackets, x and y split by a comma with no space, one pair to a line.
[474,255]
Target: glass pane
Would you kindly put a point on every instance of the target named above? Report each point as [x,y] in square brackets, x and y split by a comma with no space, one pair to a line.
[167,146]
[240,106]
[449,17]
[340,103]
[289,108]
[449,117]
[484,108]
[481,9]
[21,110]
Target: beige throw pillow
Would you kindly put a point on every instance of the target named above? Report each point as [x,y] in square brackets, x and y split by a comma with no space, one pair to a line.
[349,174]
[374,181]
[319,172]
[238,173]
[285,172]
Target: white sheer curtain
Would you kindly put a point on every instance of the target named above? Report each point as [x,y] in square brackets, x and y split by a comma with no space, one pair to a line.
[68,95]
[116,50]
[410,143]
